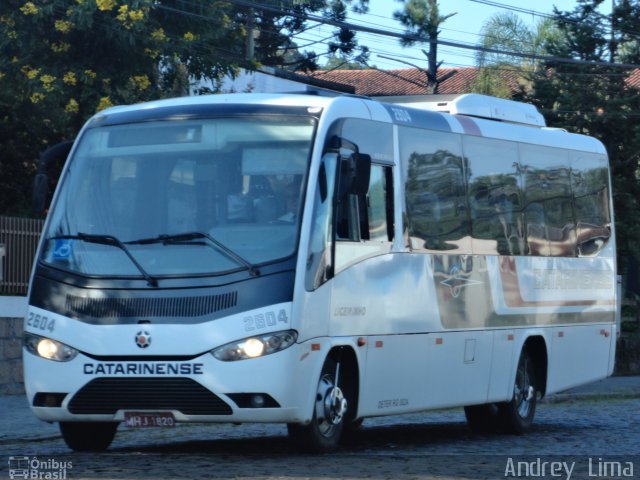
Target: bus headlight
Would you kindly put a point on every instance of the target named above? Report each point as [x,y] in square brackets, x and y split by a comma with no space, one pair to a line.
[254,347]
[49,349]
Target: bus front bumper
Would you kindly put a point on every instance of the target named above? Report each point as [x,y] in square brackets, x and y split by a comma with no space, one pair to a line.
[204,389]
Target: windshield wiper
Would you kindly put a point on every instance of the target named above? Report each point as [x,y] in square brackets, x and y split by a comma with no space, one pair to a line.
[184,238]
[110,240]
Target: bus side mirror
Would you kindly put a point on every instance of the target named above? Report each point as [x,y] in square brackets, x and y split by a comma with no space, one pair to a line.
[355,173]
[362,174]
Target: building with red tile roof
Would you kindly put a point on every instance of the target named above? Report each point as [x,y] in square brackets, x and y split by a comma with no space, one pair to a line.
[371,82]
[634,79]
[412,81]
[405,81]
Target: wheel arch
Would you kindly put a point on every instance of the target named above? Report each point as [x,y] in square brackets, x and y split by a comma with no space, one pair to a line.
[346,356]
[536,347]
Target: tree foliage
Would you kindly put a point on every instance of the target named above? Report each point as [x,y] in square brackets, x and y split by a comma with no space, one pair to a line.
[422,18]
[62,61]
[507,32]
[274,24]
[342,62]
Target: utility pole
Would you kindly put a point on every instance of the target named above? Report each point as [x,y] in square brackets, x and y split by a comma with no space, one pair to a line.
[250,45]
[613,44]
[422,18]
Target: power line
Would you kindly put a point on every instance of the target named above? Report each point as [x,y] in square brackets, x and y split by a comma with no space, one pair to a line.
[525,11]
[386,33]
[607,28]
[418,38]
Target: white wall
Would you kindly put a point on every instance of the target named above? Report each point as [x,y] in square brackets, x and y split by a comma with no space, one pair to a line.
[13,307]
[260,82]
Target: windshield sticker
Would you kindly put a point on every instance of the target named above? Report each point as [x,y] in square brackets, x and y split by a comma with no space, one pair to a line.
[63,248]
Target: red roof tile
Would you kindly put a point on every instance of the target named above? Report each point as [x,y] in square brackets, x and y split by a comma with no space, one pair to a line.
[411,81]
[634,79]
[407,81]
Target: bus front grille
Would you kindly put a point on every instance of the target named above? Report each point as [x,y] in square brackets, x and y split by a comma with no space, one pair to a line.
[108,395]
[78,307]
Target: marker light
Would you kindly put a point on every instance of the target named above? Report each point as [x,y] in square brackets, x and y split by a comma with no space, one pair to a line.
[47,348]
[254,347]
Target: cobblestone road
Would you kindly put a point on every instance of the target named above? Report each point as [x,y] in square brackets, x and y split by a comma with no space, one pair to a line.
[597,437]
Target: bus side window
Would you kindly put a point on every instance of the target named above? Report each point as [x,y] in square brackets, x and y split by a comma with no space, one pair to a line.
[368,217]
[590,184]
[347,218]
[551,229]
[319,264]
[379,204]
[435,193]
[364,223]
[495,196]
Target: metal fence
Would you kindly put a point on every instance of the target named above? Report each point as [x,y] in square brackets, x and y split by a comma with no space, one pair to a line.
[19,236]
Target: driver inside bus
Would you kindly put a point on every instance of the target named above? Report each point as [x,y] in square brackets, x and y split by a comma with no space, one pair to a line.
[290,194]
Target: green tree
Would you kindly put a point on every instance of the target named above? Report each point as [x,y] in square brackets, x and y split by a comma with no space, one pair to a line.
[342,62]
[274,25]
[506,32]
[61,61]
[596,99]
[422,18]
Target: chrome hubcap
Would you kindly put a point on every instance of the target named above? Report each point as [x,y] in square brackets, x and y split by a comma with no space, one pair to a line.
[331,406]
[523,392]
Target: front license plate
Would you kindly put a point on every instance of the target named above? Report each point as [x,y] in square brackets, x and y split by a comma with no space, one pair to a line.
[147,420]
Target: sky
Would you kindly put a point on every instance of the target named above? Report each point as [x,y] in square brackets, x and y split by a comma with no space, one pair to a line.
[464,27]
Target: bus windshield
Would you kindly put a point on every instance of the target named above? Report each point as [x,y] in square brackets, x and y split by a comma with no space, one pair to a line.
[184,197]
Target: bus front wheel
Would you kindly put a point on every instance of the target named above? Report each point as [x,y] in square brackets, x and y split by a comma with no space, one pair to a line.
[88,436]
[324,431]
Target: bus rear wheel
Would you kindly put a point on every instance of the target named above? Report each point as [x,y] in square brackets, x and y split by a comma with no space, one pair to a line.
[517,414]
[88,436]
[324,431]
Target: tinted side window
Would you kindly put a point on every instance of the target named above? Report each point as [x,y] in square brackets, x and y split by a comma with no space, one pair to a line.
[364,222]
[379,204]
[373,138]
[495,197]
[549,201]
[590,183]
[435,193]
[319,261]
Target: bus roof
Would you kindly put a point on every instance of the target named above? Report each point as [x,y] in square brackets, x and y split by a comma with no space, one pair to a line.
[468,114]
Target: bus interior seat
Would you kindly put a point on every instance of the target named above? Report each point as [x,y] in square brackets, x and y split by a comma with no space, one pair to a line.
[266,208]
[239,208]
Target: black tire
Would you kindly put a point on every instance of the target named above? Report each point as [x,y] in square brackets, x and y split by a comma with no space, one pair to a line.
[88,436]
[324,431]
[483,418]
[517,415]
[354,425]
[352,429]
